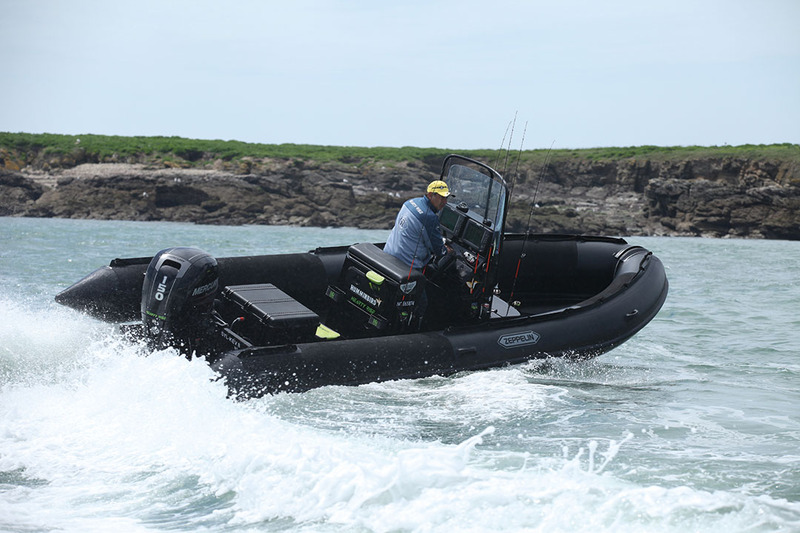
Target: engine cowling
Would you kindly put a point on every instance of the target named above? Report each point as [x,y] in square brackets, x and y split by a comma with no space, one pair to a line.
[178,293]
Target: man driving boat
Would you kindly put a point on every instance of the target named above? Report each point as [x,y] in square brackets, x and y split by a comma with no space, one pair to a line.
[416,237]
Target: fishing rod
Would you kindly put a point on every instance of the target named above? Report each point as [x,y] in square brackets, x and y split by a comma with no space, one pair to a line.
[502,144]
[522,253]
[511,125]
[519,156]
[536,190]
[510,139]
[496,247]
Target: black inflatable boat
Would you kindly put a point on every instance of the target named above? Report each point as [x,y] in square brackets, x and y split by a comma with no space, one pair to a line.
[348,315]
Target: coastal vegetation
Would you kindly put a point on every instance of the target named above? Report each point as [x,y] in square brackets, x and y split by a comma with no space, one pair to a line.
[21,149]
[717,191]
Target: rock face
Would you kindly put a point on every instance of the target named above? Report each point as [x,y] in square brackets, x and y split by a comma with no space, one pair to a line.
[728,197]
[704,197]
[18,194]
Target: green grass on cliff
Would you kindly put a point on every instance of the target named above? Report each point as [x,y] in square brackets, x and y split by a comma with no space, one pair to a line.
[109,148]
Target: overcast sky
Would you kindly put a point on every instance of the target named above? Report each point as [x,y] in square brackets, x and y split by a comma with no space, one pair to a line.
[445,74]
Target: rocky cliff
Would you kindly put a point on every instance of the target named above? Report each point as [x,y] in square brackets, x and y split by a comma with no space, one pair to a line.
[732,196]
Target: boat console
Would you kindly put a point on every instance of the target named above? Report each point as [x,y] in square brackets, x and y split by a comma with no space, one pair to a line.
[459,226]
[472,224]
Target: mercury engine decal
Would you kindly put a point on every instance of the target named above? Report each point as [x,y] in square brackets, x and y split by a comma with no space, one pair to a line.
[515,340]
[209,287]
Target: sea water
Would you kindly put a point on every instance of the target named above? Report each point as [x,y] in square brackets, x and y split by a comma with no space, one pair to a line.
[693,425]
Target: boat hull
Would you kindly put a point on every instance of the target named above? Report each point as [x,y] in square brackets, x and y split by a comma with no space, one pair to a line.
[575,332]
[573,296]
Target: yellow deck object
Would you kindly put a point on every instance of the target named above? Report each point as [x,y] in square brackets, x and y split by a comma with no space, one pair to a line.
[375,278]
[324,332]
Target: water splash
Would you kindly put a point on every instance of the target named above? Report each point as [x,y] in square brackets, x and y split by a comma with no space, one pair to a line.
[672,432]
[592,467]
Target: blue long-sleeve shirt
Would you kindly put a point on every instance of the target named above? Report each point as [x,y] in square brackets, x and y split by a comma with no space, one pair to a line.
[416,236]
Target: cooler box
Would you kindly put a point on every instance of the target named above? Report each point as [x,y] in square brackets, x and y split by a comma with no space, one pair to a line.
[270,316]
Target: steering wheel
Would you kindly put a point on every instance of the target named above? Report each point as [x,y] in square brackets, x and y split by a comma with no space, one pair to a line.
[444,263]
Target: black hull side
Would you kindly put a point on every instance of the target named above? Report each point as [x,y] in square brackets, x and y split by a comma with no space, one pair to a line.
[114,293]
[579,297]
[579,332]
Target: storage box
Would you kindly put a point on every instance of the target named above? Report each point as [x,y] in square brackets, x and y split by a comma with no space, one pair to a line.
[379,285]
[265,314]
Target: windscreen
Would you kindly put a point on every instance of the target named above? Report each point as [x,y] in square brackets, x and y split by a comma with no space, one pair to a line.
[483,195]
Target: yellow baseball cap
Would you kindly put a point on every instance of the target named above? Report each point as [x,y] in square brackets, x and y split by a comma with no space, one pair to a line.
[439,187]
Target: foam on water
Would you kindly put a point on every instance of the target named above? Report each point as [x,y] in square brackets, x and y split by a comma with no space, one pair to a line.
[141,442]
[678,430]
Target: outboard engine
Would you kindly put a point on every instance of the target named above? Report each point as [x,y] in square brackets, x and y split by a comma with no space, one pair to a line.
[178,296]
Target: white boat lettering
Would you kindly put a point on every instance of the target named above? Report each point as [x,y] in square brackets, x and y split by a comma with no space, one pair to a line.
[364,295]
[161,288]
